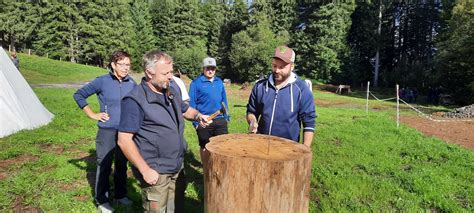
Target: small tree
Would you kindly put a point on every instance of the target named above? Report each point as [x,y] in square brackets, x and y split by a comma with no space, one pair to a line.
[252,50]
[188,59]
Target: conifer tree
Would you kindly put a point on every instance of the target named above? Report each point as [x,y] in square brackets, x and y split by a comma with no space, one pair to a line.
[455,61]
[143,27]
[252,50]
[58,34]
[18,22]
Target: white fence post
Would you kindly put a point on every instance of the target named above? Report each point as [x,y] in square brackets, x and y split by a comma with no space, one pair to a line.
[367,101]
[29,51]
[398,108]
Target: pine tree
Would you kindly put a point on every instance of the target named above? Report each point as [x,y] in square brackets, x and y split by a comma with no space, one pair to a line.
[162,14]
[107,27]
[252,50]
[19,21]
[58,34]
[143,27]
[236,20]
[327,36]
[213,15]
[455,61]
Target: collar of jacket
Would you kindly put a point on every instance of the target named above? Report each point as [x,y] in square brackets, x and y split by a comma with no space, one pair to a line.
[293,77]
[153,97]
[203,78]
[111,73]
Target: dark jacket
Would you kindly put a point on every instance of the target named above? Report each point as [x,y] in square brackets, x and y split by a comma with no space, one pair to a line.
[158,132]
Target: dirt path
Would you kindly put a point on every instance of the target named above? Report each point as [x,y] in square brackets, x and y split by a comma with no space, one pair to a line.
[460,133]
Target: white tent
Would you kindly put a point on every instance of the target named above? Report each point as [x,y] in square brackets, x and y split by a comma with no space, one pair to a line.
[19,107]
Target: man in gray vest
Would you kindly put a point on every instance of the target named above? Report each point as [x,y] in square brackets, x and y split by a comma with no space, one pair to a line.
[151,135]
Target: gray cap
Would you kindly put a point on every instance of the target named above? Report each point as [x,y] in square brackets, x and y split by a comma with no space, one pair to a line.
[209,62]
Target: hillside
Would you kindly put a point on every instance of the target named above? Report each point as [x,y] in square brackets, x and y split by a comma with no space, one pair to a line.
[40,70]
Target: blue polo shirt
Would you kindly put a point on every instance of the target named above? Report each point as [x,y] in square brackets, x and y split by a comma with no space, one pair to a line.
[206,96]
[157,122]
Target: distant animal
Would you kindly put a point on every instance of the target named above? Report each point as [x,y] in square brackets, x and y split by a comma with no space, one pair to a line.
[342,87]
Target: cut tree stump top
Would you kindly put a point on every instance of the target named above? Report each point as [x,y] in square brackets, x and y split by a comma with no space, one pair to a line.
[257,146]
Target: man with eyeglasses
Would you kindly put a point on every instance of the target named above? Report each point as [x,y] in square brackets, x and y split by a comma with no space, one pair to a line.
[110,89]
[207,95]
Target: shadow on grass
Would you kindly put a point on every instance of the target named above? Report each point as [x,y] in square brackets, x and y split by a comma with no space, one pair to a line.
[194,177]
[90,167]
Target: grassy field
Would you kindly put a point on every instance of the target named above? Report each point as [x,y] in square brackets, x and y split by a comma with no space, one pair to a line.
[39,70]
[360,162]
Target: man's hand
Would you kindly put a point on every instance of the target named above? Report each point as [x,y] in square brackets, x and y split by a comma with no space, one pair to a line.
[253,126]
[203,121]
[150,176]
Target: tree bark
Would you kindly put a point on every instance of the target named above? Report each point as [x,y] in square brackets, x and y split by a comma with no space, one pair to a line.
[256,173]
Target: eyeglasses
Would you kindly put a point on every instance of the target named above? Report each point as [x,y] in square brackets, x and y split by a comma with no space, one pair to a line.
[210,68]
[123,65]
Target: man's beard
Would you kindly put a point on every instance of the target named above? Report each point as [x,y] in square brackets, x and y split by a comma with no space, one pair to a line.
[161,86]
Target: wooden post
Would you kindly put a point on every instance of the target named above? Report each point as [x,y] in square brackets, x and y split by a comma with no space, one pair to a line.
[398,107]
[367,101]
[256,173]
[29,51]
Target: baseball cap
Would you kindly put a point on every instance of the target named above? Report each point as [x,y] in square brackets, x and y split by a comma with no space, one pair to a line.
[209,62]
[285,53]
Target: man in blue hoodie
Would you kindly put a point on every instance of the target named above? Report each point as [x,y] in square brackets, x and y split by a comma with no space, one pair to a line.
[280,104]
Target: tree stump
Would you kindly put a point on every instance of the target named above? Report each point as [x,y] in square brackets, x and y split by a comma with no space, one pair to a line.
[256,173]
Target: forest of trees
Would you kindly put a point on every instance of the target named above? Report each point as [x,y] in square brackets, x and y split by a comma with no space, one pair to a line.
[417,44]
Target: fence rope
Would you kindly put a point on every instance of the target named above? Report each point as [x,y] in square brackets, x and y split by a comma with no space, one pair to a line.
[420,112]
[386,99]
[431,117]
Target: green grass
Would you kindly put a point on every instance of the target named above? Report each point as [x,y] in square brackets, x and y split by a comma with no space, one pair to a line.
[39,70]
[360,162]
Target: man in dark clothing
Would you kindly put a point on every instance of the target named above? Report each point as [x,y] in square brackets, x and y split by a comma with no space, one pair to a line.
[151,135]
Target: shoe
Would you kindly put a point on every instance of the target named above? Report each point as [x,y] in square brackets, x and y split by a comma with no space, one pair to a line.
[125,201]
[105,208]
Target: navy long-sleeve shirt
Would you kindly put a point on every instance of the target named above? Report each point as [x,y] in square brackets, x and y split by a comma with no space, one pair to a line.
[110,92]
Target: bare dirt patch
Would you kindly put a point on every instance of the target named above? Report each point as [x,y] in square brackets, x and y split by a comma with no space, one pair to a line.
[56,149]
[5,164]
[18,206]
[460,133]
[16,160]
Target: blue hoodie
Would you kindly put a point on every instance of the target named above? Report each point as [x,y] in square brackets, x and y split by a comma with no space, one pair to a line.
[282,112]
[110,92]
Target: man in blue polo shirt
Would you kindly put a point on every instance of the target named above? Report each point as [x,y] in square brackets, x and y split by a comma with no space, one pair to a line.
[207,93]
[151,135]
[282,103]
